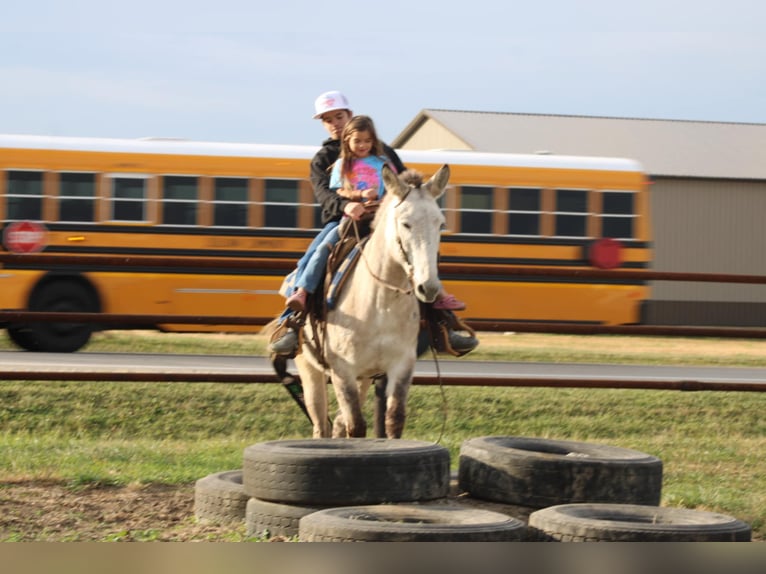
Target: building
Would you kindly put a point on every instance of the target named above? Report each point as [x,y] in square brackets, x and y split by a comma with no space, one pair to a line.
[708,194]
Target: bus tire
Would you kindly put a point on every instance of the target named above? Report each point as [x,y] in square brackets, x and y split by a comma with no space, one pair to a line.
[633,523]
[409,523]
[220,498]
[264,518]
[23,336]
[346,472]
[62,295]
[537,473]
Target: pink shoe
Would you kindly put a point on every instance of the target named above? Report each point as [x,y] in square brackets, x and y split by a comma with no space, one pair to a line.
[297,301]
[449,302]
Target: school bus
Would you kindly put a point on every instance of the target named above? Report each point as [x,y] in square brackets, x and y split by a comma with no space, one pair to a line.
[233,217]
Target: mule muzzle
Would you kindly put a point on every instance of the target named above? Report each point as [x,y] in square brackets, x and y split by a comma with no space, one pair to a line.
[427,292]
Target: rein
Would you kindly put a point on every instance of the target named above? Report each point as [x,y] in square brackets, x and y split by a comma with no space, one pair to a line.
[404,253]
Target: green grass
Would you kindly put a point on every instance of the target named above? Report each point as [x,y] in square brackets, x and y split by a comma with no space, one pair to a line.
[712,444]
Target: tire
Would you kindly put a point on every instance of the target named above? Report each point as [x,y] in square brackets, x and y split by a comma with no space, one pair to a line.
[409,523]
[346,472]
[62,296]
[537,473]
[220,498]
[23,337]
[634,523]
[263,518]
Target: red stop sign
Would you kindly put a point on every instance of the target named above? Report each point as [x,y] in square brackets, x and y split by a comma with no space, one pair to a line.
[24,237]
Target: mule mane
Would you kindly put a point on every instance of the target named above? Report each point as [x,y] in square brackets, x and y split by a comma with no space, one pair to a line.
[412,177]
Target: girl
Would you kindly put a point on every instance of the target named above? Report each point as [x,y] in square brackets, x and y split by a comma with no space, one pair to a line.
[357,176]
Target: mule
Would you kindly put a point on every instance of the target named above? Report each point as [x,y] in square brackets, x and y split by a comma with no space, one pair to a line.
[373,327]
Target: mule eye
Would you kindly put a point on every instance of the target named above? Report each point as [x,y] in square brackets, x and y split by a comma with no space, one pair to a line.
[406,225]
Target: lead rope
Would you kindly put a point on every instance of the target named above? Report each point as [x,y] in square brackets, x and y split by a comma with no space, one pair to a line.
[441,392]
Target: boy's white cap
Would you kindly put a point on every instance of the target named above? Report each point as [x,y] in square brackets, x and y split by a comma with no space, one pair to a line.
[329,102]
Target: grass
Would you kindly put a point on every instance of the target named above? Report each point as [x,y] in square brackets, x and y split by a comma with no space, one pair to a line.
[84,433]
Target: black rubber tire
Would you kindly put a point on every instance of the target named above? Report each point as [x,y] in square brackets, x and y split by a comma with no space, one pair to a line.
[409,523]
[634,523]
[220,498]
[23,336]
[537,473]
[62,296]
[270,519]
[346,472]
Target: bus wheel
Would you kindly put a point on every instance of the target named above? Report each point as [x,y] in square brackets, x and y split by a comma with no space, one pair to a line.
[62,297]
[23,336]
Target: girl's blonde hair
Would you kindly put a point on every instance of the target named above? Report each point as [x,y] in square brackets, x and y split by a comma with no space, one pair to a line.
[357,124]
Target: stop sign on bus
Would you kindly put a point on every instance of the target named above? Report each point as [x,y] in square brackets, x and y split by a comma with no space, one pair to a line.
[24,237]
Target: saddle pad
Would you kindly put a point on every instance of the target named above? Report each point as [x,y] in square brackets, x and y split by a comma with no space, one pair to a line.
[341,274]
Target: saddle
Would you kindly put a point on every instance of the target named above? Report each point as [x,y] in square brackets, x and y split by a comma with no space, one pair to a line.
[436,324]
[343,258]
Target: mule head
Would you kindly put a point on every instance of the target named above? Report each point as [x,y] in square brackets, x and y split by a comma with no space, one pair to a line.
[415,222]
[400,185]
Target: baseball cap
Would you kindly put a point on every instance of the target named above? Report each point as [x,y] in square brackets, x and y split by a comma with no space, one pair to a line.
[329,102]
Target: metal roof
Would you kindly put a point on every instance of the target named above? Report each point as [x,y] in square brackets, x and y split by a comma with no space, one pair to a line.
[674,148]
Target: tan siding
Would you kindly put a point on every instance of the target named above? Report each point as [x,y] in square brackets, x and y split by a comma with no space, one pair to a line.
[431,135]
[709,227]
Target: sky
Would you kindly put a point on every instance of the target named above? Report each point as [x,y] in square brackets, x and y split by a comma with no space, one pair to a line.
[249,71]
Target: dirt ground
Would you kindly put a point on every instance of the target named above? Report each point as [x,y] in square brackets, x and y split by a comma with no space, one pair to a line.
[35,512]
[53,513]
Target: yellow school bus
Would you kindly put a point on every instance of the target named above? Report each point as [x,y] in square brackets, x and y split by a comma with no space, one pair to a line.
[234,217]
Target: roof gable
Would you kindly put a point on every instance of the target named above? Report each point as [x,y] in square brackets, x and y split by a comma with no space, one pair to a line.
[676,148]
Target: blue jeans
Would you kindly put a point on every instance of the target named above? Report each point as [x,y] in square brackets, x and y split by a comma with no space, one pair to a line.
[312,266]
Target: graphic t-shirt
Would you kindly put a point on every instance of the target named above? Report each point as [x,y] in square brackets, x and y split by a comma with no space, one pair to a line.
[366,173]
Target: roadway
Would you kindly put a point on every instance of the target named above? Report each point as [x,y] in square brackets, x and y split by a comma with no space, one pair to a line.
[19,361]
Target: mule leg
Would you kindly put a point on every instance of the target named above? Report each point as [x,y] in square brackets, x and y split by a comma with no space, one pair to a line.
[349,400]
[315,395]
[396,403]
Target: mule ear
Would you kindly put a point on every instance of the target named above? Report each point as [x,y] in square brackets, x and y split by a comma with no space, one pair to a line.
[392,183]
[438,182]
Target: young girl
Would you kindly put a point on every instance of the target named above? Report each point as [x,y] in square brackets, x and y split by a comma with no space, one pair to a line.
[356,175]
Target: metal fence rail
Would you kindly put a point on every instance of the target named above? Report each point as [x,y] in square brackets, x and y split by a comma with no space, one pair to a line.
[427,380]
[502,326]
[57,261]
[104,319]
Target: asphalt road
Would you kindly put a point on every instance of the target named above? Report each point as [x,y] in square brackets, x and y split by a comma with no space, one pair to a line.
[19,361]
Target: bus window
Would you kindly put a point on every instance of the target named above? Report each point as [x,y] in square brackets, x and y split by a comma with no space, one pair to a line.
[618,214]
[571,212]
[317,217]
[24,195]
[77,197]
[230,202]
[180,199]
[524,211]
[129,198]
[476,209]
[281,203]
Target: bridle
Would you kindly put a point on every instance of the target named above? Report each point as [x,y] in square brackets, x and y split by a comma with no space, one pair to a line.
[408,264]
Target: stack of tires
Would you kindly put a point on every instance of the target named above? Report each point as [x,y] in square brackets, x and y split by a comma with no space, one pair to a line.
[585,492]
[355,490]
[361,490]
[399,490]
